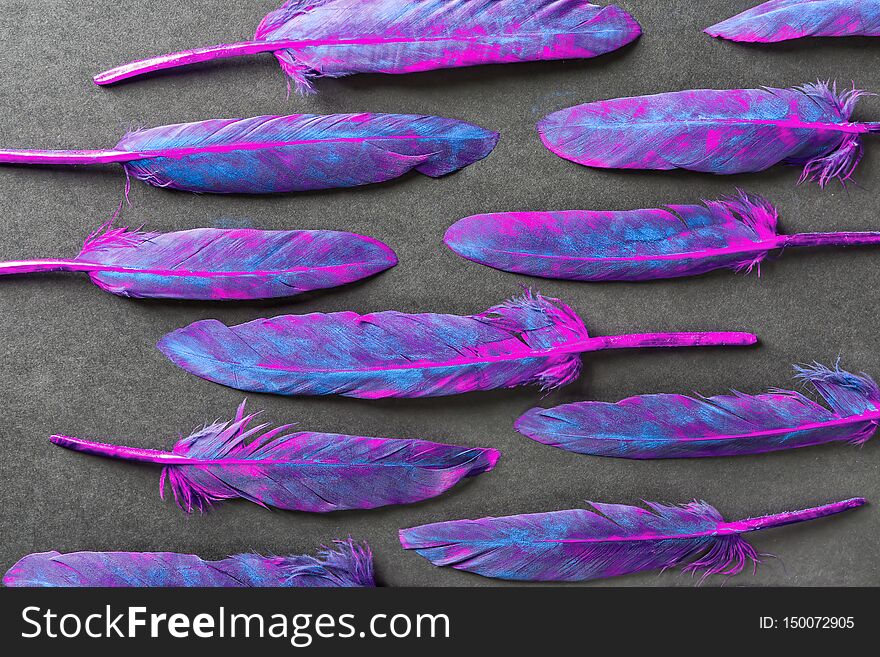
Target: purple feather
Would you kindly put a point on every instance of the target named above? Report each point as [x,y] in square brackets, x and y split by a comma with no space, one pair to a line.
[301,152]
[335,38]
[636,245]
[212,263]
[528,340]
[299,471]
[781,20]
[675,426]
[723,132]
[615,539]
[346,565]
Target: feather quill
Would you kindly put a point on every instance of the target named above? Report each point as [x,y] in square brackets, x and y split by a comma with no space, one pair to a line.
[636,245]
[299,471]
[675,426]
[212,263]
[348,564]
[334,38]
[722,132]
[269,154]
[527,340]
[615,539]
[782,20]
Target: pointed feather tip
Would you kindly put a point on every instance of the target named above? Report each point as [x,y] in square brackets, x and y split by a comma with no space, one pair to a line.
[487,461]
[727,30]
[389,256]
[527,424]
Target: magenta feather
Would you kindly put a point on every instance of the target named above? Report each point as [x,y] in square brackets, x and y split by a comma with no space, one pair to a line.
[722,132]
[781,20]
[528,340]
[615,539]
[676,426]
[345,565]
[634,245]
[335,38]
[300,471]
[301,152]
[212,263]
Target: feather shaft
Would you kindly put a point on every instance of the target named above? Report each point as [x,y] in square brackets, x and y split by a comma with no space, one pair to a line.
[30,156]
[137,454]
[830,239]
[790,517]
[12,156]
[38,266]
[627,341]
[187,57]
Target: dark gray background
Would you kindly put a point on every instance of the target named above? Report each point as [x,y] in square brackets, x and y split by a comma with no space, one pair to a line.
[80,361]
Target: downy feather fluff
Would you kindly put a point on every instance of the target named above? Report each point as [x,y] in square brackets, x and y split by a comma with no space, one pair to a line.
[213,263]
[301,152]
[348,564]
[635,245]
[782,20]
[675,426]
[527,340]
[722,132]
[335,38]
[299,471]
[615,539]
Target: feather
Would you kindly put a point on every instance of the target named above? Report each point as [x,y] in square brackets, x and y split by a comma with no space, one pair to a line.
[615,539]
[348,564]
[675,426]
[526,340]
[301,152]
[782,20]
[299,471]
[212,263]
[335,38]
[723,132]
[636,245]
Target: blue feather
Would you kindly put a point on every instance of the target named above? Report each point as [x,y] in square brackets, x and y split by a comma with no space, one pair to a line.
[295,153]
[676,426]
[347,565]
[781,20]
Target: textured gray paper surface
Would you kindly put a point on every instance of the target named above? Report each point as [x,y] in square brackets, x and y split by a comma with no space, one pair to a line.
[77,360]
